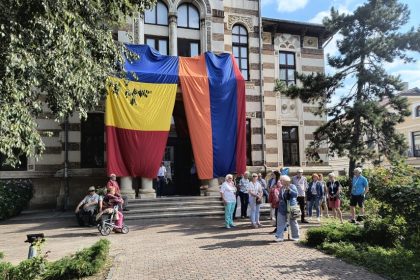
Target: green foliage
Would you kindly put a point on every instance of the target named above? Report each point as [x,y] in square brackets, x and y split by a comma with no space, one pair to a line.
[56,55]
[334,232]
[361,125]
[397,263]
[14,197]
[84,263]
[386,232]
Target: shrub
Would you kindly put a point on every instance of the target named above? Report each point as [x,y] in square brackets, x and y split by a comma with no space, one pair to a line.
[384,232]
[84,263]
[334,232]
[14,197]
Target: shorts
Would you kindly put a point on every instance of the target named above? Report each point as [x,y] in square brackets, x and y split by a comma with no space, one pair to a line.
[357,199]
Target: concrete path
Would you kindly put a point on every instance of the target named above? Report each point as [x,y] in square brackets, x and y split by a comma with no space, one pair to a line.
[183,249]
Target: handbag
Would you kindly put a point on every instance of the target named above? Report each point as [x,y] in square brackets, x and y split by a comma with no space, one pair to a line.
[295,212]
[258,200]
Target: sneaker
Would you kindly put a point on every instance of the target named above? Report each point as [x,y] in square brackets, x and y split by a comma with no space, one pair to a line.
[259,224]
[318,219]
[255,226]
[232,225]
[295,239]
[279,240]
[227,227]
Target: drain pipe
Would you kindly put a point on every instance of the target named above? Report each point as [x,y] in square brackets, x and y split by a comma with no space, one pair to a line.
[261,86]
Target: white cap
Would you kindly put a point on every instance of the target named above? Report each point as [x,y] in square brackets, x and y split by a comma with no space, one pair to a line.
[300,170]
[358,169]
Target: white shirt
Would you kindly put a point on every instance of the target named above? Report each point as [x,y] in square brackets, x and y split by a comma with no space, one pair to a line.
[301,184]
[228,192]
[162,171]
[254,188]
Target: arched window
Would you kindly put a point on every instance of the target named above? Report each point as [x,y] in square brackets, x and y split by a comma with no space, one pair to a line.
[157,15]
[240,49]
[417,111]
[188,16]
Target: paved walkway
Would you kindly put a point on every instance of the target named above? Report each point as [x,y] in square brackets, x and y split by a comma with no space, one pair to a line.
[184,249]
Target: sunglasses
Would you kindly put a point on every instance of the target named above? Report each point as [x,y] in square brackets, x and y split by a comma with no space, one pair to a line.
[254,176]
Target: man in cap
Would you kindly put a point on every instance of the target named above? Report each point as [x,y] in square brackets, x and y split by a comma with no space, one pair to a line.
[85,210]
[359,189]
[302,185]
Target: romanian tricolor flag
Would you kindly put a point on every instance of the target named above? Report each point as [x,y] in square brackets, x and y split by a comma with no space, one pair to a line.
[213,93]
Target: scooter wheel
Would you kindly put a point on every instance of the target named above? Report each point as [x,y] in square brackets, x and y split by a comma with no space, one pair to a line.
[125,229]
[105,230]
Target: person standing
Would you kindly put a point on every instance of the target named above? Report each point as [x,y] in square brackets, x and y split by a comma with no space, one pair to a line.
[314,195]
[89,205]
[302,185]
[334,190]
[255,199]
[243,194]
[113,183]
[273,199]
[227,191]
[263,184]
[324,202]
[287,199]
[360,188]
[161,179]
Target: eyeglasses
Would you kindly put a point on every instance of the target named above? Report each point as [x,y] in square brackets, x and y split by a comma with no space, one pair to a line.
[254,176]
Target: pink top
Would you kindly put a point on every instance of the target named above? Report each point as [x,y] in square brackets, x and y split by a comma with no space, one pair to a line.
[115,185]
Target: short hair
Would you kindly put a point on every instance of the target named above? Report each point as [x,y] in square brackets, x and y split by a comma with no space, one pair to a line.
[315,175]
[285,178]
[228,176]
[331,174]
[358,169]
[254,175]
[112,175]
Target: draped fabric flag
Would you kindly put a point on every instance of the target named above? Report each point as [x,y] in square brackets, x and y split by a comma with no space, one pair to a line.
[137,134]
[213,93]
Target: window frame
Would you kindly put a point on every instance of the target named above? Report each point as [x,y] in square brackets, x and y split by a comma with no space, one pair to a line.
[239,46]
[417,111]
[183,41]
[416,152]
[157,38]
[289,142]
[84,163]
[287,67]
[188,16]
[156,15]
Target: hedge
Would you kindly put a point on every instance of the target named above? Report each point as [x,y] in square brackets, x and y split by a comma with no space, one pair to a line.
[14,197]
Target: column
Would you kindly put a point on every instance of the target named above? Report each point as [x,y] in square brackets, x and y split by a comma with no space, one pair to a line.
[213,189]
[141,28]
[146,189]
[127,187]
[173,37]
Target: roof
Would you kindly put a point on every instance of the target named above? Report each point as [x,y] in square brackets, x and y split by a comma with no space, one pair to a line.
[295,27]
[411,92]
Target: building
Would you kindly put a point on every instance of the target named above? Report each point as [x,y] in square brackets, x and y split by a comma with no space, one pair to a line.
[278,128]
[411,126]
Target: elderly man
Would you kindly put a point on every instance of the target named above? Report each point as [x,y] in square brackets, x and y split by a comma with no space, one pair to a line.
[88,205]
[358,191]
[113,183]
[302,185]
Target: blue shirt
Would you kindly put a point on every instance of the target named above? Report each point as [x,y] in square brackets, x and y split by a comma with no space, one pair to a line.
[359,185]
[291,195]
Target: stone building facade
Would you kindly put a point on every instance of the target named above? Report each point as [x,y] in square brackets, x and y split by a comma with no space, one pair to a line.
[278,128]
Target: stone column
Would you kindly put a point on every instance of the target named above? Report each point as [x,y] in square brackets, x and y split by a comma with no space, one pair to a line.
[213,189]
[141,29]
[146,189]
[173,37]
[127,187]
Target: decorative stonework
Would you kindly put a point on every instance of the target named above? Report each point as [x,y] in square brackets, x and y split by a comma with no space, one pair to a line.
[310,42]
[287,41]
[136,30]
[246,21]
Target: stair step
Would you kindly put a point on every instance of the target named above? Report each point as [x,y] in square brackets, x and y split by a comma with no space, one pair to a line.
[174,209]
[135,204]
[182,215]
[177,198]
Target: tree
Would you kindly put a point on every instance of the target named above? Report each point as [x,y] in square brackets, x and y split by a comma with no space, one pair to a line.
[361,125]
[55,54]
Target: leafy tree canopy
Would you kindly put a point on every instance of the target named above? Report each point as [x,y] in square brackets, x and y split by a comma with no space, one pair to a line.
[54,54]
[361,125]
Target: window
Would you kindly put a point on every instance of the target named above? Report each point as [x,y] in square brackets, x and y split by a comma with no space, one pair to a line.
[187,47]
[92,145]
[417,111]
[157,15]
[287,68]
[188,16]
[240,49]
[248,143]
[158,43]
[416,143]
[290,145]
[20,167]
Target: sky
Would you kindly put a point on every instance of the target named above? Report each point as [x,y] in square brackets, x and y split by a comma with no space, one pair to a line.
[315,10]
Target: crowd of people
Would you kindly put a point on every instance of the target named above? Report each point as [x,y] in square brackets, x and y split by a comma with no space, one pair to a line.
[93,206]
[290,198]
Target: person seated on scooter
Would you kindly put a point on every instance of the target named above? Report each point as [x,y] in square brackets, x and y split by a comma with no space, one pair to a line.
[85,210]
[106,205]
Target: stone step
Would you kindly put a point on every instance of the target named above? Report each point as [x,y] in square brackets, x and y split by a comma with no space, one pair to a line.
[175,198]
[173,209]
[188,214]
[163,204]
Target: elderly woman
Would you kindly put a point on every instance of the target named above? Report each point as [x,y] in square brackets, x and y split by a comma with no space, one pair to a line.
[228,192]
[334,189]
[255,199]
[287,199]
[106,205]
[314,196]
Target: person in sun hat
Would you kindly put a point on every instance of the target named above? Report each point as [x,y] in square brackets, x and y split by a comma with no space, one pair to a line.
[85,210]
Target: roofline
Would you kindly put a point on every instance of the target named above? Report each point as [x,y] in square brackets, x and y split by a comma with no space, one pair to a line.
[296,27]
[294,22]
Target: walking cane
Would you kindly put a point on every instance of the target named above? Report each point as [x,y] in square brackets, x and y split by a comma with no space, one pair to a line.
[288,220]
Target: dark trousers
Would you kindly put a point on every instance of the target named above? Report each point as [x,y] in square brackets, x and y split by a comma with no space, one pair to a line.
[301,201]
[244,203]
[236,206]
[85,218]
[160,185]
[265,194]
